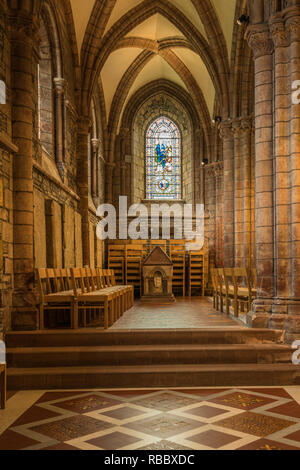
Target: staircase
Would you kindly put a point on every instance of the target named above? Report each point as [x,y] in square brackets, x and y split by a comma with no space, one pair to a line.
[154,358]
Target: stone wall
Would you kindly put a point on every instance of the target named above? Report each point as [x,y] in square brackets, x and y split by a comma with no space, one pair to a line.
[7,150]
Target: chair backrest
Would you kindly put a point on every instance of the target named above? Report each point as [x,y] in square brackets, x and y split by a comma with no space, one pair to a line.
[106,276]
[78,281]
[214,280]
[43,282]
[242,278]
[221,278]
[101,278]
[111,274]
[229,279]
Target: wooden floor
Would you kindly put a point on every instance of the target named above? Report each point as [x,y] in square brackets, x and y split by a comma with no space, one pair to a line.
[183,314]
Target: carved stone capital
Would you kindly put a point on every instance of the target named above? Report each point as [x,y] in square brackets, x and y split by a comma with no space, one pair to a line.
[226,131]
[293,27]
[59,85]
[237,127]
[219,169]
[23,28]
[279,32]
[259,40]
[95,144]
[247,124]
[84,124]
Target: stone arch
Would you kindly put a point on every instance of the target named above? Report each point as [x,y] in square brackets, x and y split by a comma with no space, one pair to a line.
[137,16]
[128,79]
[242,76]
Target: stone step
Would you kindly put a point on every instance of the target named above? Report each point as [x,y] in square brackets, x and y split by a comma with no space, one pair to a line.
[98,337]
[188,375]
[149,354]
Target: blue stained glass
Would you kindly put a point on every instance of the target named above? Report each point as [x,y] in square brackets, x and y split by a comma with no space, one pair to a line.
[163,160]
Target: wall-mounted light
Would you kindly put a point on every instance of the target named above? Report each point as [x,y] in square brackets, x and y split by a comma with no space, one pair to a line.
[243,20]
[217,120]
[204,162]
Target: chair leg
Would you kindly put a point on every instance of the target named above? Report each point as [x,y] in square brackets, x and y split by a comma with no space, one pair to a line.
[42,313]
[106,314]
[236,308]
[74,314]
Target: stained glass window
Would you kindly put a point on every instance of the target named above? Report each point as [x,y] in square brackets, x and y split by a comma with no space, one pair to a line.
[163,160]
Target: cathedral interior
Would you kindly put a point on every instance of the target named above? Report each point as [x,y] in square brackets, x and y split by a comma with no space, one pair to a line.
[147,338]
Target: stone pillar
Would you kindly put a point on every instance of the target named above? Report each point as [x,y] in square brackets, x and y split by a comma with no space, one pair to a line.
[59,89]
[123,178]
[292,324]
[210,206]
[228,157]
[94,169]
[109,171]
[238,188]
[282,202]
[23,31]
[246,144]
[219,174]
[260,41]
[84,125]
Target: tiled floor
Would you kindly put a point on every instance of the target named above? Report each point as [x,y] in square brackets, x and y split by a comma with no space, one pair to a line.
[182,314]
[197,419]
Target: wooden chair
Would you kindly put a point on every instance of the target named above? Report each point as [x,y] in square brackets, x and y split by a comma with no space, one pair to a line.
[196,272]
[116,261]
[177,255]
[86,300]
[2,386]
[238,289]
[214,280]
[126,291]
[222,293]
[52,298]
[133,266]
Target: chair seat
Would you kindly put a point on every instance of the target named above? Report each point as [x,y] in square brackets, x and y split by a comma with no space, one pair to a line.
[66,296]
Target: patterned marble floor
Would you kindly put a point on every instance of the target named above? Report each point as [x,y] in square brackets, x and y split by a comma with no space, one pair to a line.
[197,419]
[184,313]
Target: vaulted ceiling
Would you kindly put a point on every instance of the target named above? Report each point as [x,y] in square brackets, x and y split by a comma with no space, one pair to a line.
[187,42]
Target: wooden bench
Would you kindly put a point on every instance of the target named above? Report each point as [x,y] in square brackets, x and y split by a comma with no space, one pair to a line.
[2,386]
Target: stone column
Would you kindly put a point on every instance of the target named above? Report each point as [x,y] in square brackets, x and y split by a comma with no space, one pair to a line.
[84,125]
[228,157]
[260,41]
[109,171]
[238,186]
[94,168]
[219,175]
[292,324]
[59,89]
[123,178]
[282,202]
[246,130]
[23,31]
[210,206]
